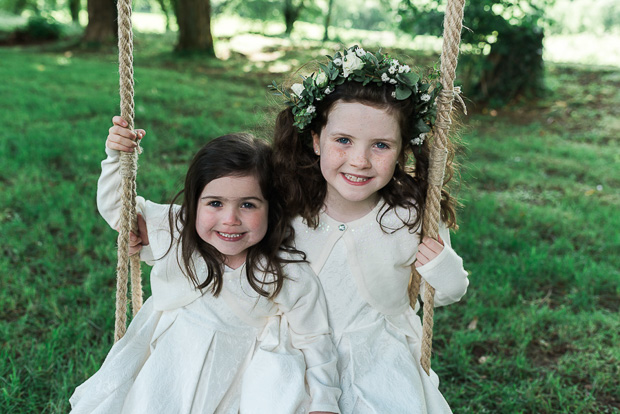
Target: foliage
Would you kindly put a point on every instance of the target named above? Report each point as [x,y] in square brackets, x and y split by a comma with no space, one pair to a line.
[38,28]
[578,16]
[503,44]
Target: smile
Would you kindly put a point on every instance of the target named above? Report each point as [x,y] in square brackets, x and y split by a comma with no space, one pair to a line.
[230,236]
[355,179]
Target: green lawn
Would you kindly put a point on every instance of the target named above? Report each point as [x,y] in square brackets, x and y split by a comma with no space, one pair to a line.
[538,331]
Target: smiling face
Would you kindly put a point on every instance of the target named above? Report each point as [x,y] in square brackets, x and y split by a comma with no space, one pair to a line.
[358,148]
[232,216]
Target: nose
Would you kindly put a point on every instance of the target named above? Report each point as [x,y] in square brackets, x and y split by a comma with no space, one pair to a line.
[360,159]
[231,217]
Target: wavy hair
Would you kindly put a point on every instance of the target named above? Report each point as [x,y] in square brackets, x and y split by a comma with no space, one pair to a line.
[235,155]
[299,175]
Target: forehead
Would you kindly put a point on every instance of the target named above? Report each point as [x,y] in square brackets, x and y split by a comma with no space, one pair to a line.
[232,187]
[362,120]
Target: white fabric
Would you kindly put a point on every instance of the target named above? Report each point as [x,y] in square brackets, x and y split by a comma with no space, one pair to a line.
[187,351]
[365,273]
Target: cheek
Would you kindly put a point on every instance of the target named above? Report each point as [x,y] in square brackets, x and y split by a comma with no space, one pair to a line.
[259,222]
[386,163]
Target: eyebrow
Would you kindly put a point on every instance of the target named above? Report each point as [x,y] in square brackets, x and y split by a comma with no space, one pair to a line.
[234,199]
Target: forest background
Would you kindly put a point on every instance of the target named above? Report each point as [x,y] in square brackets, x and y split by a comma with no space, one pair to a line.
[539,183]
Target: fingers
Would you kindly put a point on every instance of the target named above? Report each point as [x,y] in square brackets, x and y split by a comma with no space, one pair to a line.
[121,138]
[144,234]
[427,251]
[135,244]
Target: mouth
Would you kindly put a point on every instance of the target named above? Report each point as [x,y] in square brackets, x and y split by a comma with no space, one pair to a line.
[356,179]
[230,236]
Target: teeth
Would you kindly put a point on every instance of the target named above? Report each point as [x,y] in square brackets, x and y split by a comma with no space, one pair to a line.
[355,179]
[229,236]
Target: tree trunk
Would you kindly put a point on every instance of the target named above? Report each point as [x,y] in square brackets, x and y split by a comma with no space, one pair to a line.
[328,18]
[102,24]
[291,13]
[194,20]
[164,9]
[74,9]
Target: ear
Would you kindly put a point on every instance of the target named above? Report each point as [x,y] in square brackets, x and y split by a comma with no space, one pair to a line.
[316,143]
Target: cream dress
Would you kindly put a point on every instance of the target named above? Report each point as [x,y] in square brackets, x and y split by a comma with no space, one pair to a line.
[365,273]
[187,351]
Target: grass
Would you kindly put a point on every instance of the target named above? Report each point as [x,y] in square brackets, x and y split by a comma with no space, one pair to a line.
[538,331]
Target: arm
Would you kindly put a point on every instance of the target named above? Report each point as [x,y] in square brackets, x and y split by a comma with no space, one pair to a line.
[303,302]
[442,268]
[108,195]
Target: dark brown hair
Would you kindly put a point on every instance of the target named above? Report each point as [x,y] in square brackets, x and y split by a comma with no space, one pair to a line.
[299,175]
[236,155]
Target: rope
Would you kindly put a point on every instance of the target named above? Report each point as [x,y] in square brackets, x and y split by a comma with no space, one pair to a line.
[453,23]
[128,169]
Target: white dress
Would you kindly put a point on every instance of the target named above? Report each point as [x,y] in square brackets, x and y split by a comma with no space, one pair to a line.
[187,351]
[365,273]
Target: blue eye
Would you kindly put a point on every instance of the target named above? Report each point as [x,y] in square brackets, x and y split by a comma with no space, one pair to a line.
[343,140]
[215,203]
[382,145]
[247,205]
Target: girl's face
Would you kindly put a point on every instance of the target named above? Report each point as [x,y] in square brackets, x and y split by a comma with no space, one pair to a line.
[232,216]
[358,147]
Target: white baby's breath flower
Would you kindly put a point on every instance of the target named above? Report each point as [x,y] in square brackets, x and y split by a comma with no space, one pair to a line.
[338,62]
[416,141]
[310,109]
[360,52]
[425,97]
[394,94]
[385,77]
[328,90]
[297,89]
[321,80]
[393,81]
[395,62]
[392,70]
[351,63]
[406,68]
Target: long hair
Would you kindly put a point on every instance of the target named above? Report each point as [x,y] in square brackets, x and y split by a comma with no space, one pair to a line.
[236,155]
[299,173]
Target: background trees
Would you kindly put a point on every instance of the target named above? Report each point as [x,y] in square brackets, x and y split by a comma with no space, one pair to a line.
[504,43]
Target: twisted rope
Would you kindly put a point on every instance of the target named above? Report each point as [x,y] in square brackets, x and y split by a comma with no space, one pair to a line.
[453,23]
[128,169]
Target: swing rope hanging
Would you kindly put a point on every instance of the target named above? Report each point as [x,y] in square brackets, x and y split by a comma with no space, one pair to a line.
[453,23]
[128,169]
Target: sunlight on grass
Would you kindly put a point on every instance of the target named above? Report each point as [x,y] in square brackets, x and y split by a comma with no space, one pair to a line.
[586,49]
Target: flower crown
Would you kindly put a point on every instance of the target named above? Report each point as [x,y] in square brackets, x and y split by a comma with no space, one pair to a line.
[364,67]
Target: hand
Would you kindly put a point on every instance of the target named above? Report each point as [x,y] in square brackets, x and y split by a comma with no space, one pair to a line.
[136,242]
[428,250]
[121,138]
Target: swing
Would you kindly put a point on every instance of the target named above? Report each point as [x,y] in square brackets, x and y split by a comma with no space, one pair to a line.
[453,23]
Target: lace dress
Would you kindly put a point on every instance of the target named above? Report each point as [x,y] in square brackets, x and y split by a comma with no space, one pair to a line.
[364,272]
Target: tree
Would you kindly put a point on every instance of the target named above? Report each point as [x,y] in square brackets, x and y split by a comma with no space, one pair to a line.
[102,24]
[504,39]
[291,13]
[194,20]
[74,9]
[328,18]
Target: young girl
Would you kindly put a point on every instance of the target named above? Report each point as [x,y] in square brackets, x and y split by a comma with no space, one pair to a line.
[210,339]
[341,148]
